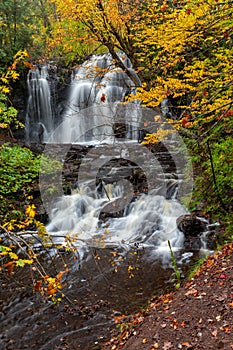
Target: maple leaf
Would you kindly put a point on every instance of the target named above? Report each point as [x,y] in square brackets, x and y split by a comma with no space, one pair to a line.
[163,7]
[229,113]
[13,256]
[185,120]
[227,329]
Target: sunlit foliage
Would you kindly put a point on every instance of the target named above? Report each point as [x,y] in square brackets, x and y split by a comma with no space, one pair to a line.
[8,114]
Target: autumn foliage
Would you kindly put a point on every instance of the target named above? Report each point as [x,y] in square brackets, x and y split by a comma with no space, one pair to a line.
[180,50]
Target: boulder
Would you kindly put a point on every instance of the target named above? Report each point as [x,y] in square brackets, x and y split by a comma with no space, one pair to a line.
[192,225]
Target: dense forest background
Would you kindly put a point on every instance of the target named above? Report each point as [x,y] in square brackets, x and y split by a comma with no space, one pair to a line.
[180,50]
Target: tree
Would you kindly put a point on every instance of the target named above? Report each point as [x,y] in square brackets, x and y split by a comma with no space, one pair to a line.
[188,56]
[24,25]
[101,24]
[175,47]
[8,114]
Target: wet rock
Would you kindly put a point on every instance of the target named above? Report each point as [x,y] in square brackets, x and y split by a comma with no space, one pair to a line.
[191,225]
[197,231]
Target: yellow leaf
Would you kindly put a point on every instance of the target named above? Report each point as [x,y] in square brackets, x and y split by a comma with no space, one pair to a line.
[30,211]
[13,256]
[10,227]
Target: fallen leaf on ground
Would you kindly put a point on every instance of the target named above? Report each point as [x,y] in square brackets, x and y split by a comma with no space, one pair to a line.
[167,345]
[193,292]
[214,333]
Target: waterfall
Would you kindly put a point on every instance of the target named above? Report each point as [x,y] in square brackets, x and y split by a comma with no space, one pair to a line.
[149,221]
[40,114]
[97,82]
[107,206]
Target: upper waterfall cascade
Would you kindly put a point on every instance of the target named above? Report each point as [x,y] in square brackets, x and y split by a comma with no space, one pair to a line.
[95,83]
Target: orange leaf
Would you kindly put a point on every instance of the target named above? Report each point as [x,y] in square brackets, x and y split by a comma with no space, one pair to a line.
[51,290]
[193,292]
[10,267]
[37,286]
[183,324]
[29,65]
[227,329]
[163,7]
[185,120]
[175,324]
[60,274]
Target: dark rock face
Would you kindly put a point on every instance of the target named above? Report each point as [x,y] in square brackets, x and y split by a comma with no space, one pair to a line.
[191,225]
[197,231]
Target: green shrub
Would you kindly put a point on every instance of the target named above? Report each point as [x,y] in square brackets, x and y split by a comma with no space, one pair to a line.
[18,172]
[213,168]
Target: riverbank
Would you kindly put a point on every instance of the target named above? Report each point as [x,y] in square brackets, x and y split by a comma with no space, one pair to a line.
[197,316]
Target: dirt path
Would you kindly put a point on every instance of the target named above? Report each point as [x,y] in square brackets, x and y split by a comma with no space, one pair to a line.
[197,316]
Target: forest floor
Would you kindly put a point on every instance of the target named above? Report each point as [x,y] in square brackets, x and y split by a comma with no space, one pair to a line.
[199,315]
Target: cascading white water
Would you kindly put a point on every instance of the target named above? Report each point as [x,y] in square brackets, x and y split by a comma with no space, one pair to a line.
[147,220]
[40,114]
[150,220]
[97,82]
[93,111]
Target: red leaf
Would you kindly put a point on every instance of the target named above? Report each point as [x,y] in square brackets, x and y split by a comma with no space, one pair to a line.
[229,113]
[103,98]
[222,276]
[37,286]
[186,119]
